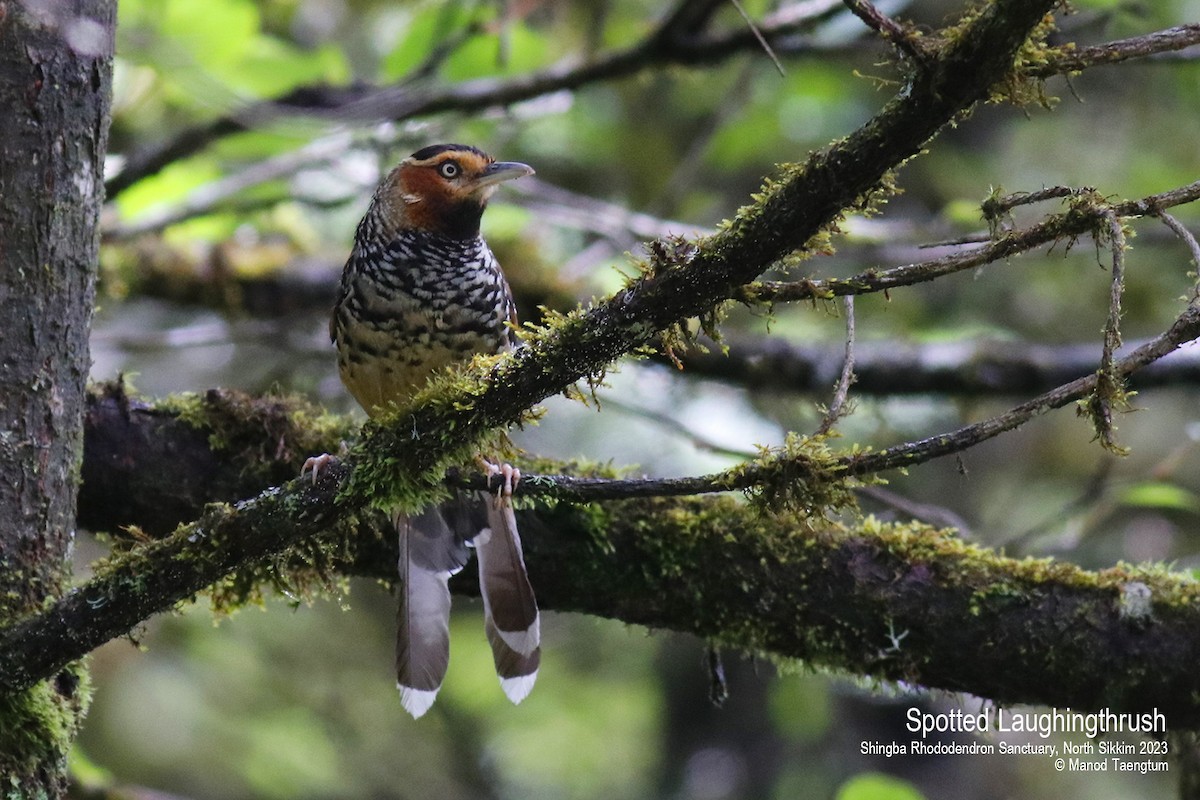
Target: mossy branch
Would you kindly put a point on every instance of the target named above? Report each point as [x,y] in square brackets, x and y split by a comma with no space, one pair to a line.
[448,422]
[402,460]
[1087,214]
[252,538]
[784,584]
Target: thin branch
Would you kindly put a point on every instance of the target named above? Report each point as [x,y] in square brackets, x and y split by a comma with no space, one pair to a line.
[578,211]
[837,407]
[891,31]
[762,40]
[1112,329]
[1098,486]
[396,459]
[994,208]
[929,513]
[1109,389]
[1180,230]
[662,47]
[673,425]
[1067,225]
[211,196]
[1185,329]
[1150,44]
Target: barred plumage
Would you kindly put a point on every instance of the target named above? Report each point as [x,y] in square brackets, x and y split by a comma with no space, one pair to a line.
[422,291]
[415,305]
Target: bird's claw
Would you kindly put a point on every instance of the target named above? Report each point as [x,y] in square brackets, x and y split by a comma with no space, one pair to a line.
[510,477]
[316,464]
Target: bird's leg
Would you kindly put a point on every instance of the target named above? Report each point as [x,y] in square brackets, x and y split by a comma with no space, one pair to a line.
[318,463]
[510,476]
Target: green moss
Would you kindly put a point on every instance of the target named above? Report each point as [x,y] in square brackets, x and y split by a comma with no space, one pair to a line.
[39,724]
[800,475]
[1023,84]
[260,431]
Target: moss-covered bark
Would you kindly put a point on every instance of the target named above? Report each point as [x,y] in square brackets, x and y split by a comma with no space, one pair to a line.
[897,602]
[53,135]
[680,563]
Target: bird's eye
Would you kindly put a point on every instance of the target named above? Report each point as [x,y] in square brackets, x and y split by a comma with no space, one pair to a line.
[448,169]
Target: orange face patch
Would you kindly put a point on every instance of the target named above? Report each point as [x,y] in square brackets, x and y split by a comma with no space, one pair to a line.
[440,194]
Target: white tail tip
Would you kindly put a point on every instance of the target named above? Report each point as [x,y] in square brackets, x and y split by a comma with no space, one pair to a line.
[526,641]
[418,701]
[517,689]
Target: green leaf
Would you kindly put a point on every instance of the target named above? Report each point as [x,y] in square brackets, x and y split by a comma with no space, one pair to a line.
[515,49]
[274,66]
[171,184]
[428,29]
[1159,494]
[876,786]
[213,33]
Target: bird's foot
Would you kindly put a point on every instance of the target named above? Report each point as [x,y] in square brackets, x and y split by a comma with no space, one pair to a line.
[510,476]
[316,464]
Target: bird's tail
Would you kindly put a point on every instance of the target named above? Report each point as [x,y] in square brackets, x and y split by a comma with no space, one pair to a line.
[430,552]
[510,610]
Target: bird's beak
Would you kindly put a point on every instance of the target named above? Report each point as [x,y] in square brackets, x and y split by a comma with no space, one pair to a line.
[501,171]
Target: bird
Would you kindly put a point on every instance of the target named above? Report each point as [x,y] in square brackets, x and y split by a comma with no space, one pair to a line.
[421,292]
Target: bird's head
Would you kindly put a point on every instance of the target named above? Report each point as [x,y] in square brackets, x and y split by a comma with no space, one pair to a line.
[443,189]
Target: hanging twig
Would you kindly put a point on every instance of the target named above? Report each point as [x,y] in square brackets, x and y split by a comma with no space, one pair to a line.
[1183,233]
[1110,389]
[762,41]
[837,406]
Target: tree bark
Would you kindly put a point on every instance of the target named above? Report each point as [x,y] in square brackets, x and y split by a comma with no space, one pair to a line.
[55,82]
[894,602]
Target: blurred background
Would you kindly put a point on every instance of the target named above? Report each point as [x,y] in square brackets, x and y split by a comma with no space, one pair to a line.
[219,270]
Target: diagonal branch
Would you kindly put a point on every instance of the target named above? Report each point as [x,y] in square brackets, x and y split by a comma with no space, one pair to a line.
[984,368]
[1150,44]
[399,461]
[671,43]
[675,41]
[1084,217]
[725,571]
[1185,329]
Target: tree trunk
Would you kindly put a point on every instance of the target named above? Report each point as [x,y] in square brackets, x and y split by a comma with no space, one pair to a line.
[55,85]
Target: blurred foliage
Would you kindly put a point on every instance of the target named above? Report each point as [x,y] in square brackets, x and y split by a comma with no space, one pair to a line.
[300,704]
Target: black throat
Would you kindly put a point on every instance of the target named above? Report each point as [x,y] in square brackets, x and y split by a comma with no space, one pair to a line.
[461,220]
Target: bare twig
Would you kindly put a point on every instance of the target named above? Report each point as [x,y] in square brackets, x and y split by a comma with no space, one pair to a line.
[929,513]
[662,47]
[762,40]
[581,212]
[891,31]
[1059,226]
[1098,486]
[1150,44]
[1180,230]
[211,196]
[837,406]
[673,425]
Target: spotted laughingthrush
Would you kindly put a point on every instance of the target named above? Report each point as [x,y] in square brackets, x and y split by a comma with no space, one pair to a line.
[420,292]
